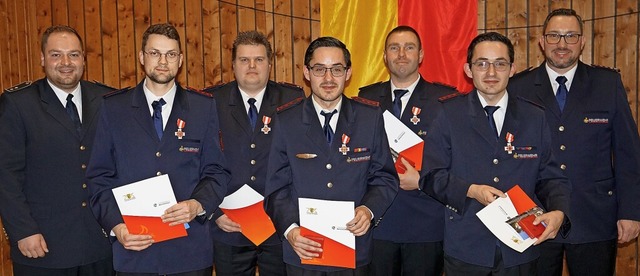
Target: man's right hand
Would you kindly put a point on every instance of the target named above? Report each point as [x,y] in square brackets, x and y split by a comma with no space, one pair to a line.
[228,225]
[131,241]
[484,194]
[305,248]
[33,246]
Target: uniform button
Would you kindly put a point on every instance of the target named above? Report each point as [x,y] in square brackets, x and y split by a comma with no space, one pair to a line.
[84,204]
[84,185]
[253,178]
[158,154]
[83,148]
[328,166]
[562,147]
[83,166]
[451,217]
[253,162]
[610,192]
[496,179]
[253,146]
[158,173]
[561,128]
[563,167]
[495,161]
[330,185]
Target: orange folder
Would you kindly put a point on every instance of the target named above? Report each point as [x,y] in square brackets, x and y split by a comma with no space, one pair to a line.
[333,252]
[523,203]
[413,155]
[254,221]
[154,226]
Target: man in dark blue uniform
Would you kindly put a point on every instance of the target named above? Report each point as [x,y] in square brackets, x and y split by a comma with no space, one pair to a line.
[46,134]
[467,164]
[246,109]
[307,160]
[408,241]
[596,143]
[160,128]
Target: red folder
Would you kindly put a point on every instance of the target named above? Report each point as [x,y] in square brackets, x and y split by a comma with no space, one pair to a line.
[154,226]
[333,252]
[254,221]
[523,203]
[413,155]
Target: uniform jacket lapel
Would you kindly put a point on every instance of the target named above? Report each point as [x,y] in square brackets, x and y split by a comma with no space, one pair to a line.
[479,119]
[314,128]
[54,107]
[90,105]
[141,111]
[239,112]
[579,86]
[545,92]
[180,110]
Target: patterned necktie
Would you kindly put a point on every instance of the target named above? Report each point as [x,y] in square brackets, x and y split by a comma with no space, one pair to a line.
[328,132]
[253,112]
[397,102]
[73,113]
[490,110]
[561,94]
[157,116]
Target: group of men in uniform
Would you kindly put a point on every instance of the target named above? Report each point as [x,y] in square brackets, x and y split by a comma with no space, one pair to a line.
[66,143]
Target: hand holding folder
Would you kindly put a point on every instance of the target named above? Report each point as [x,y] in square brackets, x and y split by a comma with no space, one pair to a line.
[403,142]
[245,207]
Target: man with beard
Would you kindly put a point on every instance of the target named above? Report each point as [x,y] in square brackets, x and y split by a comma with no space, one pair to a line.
[467,165]
[596,142]
[247,107]
[408,241]
[308,161]
[46,134]
[154,129]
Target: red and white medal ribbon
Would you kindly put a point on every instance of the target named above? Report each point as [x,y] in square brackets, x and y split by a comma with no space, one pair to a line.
[415,111]
[509,148]
[181,124]
[345,140]
[266,120]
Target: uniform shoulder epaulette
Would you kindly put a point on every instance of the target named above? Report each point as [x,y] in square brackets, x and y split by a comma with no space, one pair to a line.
[290,104]
[213,87]
[370,85]
[366,101]
[606,67]
[116,92]
[448,97]
[530,101]
[200,92]
[19,87]
[102,84]
[290,85]
[446,85]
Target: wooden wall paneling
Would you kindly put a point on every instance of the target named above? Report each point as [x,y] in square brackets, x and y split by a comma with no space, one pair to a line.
[6,267]
[246,17]
[141,21]
[176,16]
[110,55]
[604,30]
[627,49]
[228,33]
[76,20]
[34,31]
[269,32]
[585,10]
[13,57]
[557,4]
[5,65]
[283,44]
[495,16]
[93,42]
[159,11]
[482,18]
[211,42]
[261,16]
[60,12]
[301,38]
[23,54]
[517,32]
[538,11]
[128,56]
[194,58]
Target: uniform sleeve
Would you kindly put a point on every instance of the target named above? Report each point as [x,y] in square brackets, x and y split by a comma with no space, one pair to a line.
[16,214]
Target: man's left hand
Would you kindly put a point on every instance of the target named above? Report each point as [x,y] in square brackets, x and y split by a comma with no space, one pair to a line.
[627,230]
[360,222]
[182,213]
[409,179]
[553,220]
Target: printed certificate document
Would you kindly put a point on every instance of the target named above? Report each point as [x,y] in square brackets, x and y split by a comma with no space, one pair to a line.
[403,142]
[141,205]
[246,207]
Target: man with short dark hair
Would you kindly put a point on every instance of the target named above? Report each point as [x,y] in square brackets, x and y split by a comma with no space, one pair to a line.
[46,134]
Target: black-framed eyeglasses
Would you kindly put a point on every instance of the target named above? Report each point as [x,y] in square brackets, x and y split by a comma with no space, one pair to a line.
[171,56]
[568,38]
[499,65]
[320,71]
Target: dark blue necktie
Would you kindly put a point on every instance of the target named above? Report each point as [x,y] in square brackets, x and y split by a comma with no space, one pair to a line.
[253,112]
[328,132]
[157,116]
[397,102]
[561,94]
[492,122]
[73,113]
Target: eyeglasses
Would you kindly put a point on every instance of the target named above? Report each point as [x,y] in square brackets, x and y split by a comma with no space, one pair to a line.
[171,56]
[568,38]
[320,71]
[483,65]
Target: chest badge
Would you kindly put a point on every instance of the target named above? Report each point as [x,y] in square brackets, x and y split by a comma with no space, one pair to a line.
[345,140]
[415,111]
[509,148]
[266,120]
[181,124]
